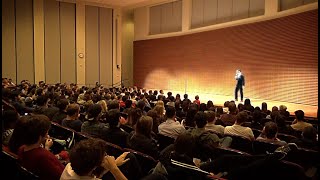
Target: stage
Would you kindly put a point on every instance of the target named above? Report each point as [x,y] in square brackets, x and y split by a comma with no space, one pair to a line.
[309,111]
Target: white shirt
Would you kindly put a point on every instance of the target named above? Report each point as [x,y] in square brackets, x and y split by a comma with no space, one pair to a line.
[171,128]
[69,174]
[238,130]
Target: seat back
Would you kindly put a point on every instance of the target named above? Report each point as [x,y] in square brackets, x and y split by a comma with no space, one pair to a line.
[262,147]
[220,151]
[241,143]
[304,157]
[113,149]
[286,137]
[147,162]
[164,141]
[256,132]
[12,167]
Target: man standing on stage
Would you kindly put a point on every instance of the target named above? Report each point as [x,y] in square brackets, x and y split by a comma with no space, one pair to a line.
[240,84]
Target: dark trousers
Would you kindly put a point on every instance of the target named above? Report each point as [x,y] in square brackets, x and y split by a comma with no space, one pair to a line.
[236,92]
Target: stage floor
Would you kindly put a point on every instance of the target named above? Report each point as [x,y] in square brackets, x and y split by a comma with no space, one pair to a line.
[309,111]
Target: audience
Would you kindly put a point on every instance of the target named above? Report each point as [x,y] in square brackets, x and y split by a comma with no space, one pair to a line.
[269,134]
[299,124]
[115,134]
[72,121]
[171,127]
[89,155]
[239,130]
[211,126]
[141,139]
[33,130]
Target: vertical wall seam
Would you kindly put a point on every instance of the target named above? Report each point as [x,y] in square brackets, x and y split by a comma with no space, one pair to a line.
[34,68]
[99,45]
[60,38]
[15,38]
[112,47]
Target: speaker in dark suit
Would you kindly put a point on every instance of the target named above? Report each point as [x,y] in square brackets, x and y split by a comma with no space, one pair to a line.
[240,84]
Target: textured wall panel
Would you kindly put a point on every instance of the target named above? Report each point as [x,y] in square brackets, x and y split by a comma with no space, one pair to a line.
[52,51]
[279,59]
[105,46]
[155,19]
[24,40]
[92,45]
[68,42]
[8,41]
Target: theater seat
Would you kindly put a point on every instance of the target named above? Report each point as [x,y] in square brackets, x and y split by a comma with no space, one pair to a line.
[164,141]
[286,137]
[241,143]
[262,147]
[146,162]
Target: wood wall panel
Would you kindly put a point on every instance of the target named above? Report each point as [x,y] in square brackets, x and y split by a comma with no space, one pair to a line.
[278,57]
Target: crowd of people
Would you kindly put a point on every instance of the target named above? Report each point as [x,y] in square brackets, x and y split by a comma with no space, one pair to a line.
[132,117]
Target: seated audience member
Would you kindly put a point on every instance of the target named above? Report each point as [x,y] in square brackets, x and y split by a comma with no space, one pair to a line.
[219,112]
[114,104]
[256,122]
[282,126]
[181,152]
[171,127]
[141,139]
[156,120]
[247,105]
[283,111]
[211,123]
[92,125]
[196,101]
[308,140]
[192,111]
[202,107]
[62,104]
[133,116]
[239,130]
[9,119]
[264,109]
[171,101]
[210,106]
[42,107]
[34,130]
[72,121]
[89,155]
[299,123]
[13,97]
[115,134]
[269,134]
[230,118]
[205,137]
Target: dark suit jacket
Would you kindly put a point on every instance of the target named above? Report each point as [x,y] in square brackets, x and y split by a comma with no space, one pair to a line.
[240,81]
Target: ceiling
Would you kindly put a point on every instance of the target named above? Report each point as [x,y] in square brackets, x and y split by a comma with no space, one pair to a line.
[121,3]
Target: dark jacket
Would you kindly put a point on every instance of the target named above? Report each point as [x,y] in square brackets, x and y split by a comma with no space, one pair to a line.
[143,144]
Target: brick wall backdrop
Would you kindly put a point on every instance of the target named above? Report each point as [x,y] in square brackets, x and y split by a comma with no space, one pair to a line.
[279,59]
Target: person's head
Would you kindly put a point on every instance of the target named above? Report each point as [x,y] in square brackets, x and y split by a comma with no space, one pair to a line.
[201,119]
[185,106]
[209,104]
[177,96]
[87,155]
[270,130]
[279,119]
[264,106]
[210,116]
[42,100]
[133,116]
[159,109]
[196,97]
[241,117]
[141,104]
[170,112]
[238,71]
[169,94]
[128,103]
[247,102]
[232,108]
[94,111]
[185,96]
[62,104]
[160,103]
[240,107]
[257,116]
[190,116]
[184,144]
[219,111]
[9,119]
[114,104]
[282,108]
[274,108]
[114,117]
[171,98]
[103,105]
[203,107]
[226,104]
[310,133]
[274,115]
[144,126]
[299,115]
[29,130]
[73,110]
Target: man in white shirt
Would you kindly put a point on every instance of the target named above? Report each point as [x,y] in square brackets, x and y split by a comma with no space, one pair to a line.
[237,129]
[171,127]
